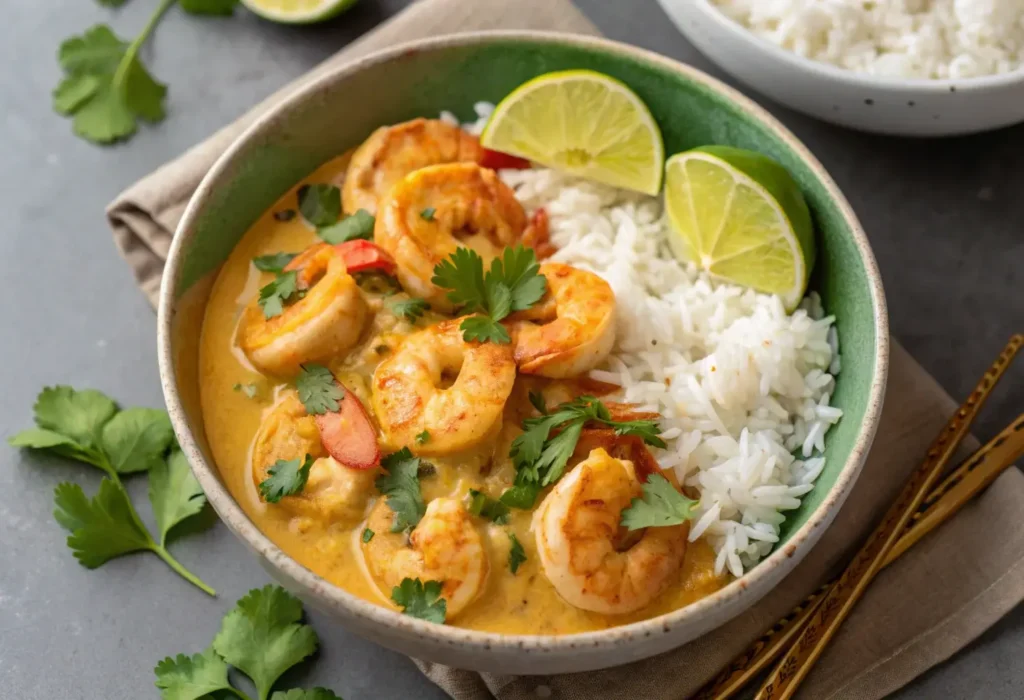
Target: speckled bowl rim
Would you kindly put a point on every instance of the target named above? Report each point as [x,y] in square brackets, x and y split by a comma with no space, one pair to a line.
[703,615]
[776,53]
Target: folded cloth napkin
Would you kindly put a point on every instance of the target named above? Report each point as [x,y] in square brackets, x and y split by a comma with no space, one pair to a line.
[938,597]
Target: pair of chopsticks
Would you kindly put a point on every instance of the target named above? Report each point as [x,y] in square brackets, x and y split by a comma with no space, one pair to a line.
[801,637]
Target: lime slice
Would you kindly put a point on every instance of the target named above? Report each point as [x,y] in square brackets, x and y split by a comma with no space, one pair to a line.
[298,11]
[584,123]
[740,216]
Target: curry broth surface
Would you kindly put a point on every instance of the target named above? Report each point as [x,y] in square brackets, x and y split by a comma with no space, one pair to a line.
[524,603]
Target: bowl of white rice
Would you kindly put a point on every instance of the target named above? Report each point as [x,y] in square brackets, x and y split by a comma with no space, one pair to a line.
[767,411]
[901,67]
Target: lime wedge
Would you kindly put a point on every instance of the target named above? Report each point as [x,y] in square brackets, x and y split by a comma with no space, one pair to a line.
[584,123]
[298,11]
[740,216]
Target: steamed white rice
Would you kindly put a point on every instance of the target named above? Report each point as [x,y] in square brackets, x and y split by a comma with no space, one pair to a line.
[742,387]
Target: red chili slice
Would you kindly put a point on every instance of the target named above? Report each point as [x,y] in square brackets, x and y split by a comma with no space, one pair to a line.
[348,435]
[496,160]
[361,256]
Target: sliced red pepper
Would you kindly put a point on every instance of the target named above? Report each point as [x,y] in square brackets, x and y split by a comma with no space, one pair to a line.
[496,160]
[361,256]
[348,434]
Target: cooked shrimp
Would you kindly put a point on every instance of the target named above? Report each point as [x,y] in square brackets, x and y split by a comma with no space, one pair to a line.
[571,330]
[333,492]
[411,396]
[468,207]
[583,550]
[324,322]
[392,152]
[445,546]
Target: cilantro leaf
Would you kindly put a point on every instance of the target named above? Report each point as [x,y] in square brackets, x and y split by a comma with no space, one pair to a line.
[422,600]
[484,329]
[557,452]
[481,504]
[286,478]
[311,694]
[428,214]
[516,553]
[208,7]
[521,495]
[191,678]
[537,401]
[73,91]
[279,292]
[263,637]
[647,430]
[42,439]
[112,3]
[136,439]
[519,271]
[423,438]
[367,535]
[463,273]
[401,485]
[275,262]
[174,493]
[320,204]
[318,390]
[660,506]
[77,414]
[101,528]
[358,225]
[410,309]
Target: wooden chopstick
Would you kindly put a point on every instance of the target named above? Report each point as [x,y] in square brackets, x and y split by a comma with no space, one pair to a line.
[966,481]
[837,603]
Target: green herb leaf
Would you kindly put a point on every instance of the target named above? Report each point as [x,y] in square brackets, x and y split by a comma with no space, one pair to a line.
[463,273]
[660,506]
[428,214]
[320,204]
[112,3]
[311,694]
[516,553]
[74,91]
[275,262]
[318,390]
[286,478]
[279,292]
[521,496]
[368,535]
[250,390]
[422,600]
[101,528]
[136,439]
[41,439]
[78,415]
[410,309]
[208,7]
[423,438]
[191,678]
[481,504]
[359,225]
[537,401]
[518,270]
[401,485]
[262,636]
[483,329]
[174,493]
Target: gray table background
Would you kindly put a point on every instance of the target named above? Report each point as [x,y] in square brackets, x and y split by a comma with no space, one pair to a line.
[943,216]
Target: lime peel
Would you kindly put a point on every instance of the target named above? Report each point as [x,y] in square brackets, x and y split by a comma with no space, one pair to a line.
[298,11]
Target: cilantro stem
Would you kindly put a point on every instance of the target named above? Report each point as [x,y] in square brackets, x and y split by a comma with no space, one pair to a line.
[121,74]
[182,571]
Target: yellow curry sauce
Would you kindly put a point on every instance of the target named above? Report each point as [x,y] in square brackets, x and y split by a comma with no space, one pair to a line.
[521,603]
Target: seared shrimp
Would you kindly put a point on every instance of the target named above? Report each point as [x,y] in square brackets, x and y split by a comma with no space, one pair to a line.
[582,548]
[571,330]
[466,206]
[445,546]
[410,398]
[392,152]
[332,492]
[324,322]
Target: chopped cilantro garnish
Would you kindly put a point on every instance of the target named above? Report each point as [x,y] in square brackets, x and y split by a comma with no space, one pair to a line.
[320,204]
[410,309]
[359,225]
[423,437]
[428,214]
[422,600]
[250,390]
[367,535]
[660,506]
[481,504]
[275,262]
[286,478]
[513,283]
[282,290]
[516,553]
[401,485]
[318,390]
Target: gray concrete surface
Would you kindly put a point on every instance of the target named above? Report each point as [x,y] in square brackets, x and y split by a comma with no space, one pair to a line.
[944,218]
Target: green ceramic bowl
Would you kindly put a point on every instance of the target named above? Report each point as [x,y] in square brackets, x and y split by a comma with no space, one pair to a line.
[421,79]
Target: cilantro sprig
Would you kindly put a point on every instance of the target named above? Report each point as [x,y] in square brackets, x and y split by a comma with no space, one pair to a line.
[410,309]
[262,636]
[318,391]
[286,478]
[358,225]
[87,426]
[274,262]
[660,506]
[516,553]
[513,283]
[422,600]
[401,485]
[540,453]
[479,503]
[281,291]
[320,206]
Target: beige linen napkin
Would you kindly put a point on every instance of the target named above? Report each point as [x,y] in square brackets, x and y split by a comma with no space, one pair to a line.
[942,594]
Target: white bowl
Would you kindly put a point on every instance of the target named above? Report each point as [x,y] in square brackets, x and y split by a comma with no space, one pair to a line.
[906,107]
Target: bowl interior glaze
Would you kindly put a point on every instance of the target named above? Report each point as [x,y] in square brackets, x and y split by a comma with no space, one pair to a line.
[453,73]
